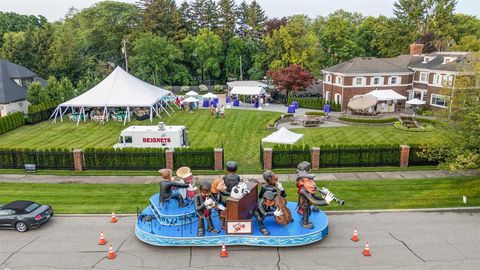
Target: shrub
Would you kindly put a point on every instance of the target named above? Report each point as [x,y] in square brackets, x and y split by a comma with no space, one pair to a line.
[11,122]
[203,88]
[315,113]
[195,158]
[185,89]
[289,156]
[40,112]
[168,87]
[359,155]
[124,159]
[425,128]
[54,158]
[218,88]
[367,120]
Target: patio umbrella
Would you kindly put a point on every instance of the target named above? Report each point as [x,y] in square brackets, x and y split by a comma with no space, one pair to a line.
[362,102]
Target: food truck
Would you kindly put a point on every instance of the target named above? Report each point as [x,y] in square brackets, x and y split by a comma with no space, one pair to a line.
[160,136]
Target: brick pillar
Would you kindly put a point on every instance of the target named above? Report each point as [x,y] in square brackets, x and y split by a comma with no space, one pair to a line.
[169,159]
[315,158]
[404,155]
[78,160]
[267,158]
[218,157]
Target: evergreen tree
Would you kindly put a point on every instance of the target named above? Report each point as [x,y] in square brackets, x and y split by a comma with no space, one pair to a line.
[211,16]
[185,11]
[242,18]
[256,20]
[162,17]
[227,19]
[198,15]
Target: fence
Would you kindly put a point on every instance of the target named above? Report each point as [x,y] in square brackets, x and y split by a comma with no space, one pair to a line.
[289,158]
[196,159]
[360,156]
[54,159]
[127,159]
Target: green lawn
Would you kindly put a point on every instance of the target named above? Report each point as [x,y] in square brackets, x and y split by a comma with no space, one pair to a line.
[240,132]
[378,194]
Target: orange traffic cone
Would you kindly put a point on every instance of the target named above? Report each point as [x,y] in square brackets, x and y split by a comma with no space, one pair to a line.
[111,253]
[366,251]
[114,218]
[224,252]
[355,236]
[102,240]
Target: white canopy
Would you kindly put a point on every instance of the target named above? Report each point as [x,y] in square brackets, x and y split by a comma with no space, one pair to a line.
[190,99]
[383,95]
[248,91]
[191,94]
[283,136]
[415,101]
[209,95]
[119,89]
[362,102]
[246,84]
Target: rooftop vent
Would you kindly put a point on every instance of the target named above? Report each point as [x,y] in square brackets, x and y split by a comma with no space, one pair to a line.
[161,126]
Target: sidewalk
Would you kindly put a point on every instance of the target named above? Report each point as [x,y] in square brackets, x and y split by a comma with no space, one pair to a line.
[32,178]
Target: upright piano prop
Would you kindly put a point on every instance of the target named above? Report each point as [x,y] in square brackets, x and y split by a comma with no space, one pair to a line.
[171,225]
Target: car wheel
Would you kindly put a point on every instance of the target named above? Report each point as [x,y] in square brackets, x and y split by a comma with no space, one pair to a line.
[21,226]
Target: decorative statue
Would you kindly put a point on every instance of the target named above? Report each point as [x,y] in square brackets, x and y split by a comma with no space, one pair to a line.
[203,206]
[306,197]
[231,179]
[273,185]
[217,187]
[266,207]
[304,166]
[170,189]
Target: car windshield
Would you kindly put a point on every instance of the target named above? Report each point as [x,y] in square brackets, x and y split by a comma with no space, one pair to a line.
[31,207]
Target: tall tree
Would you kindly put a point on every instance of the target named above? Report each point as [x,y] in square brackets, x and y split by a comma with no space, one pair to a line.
[160,17]
[206,49]
[242,18]
[13,22]
[256,19]
[185,11]
[274,24]
[158,60]
[227,19]
[291,78]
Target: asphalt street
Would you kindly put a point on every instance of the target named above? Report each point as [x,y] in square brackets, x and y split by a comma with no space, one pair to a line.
[398,240]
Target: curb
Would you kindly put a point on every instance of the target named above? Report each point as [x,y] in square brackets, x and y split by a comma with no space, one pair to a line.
[346,212]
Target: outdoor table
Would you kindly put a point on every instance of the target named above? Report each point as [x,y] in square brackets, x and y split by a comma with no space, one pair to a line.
[236,102]
[326,108]
[295,103]
[291,109]
[205,103]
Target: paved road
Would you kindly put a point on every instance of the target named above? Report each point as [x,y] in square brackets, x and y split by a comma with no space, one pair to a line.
[32,178]
[405,240]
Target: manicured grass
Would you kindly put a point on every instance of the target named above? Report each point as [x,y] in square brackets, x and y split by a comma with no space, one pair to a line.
[240,132]
[378,194]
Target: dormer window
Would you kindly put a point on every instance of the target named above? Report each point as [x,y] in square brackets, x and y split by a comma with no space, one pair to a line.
[426,59]
[448,59]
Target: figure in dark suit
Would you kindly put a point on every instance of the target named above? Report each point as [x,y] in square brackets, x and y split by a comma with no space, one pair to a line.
[169,188]
[231,179]
[203,206]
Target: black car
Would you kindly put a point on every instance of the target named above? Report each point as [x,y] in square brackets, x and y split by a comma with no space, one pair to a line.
[24,215]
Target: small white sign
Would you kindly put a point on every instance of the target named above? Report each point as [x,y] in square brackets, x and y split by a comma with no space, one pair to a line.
[239,227]
[465,199]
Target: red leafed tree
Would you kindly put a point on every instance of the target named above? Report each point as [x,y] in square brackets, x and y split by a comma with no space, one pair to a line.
[291,78]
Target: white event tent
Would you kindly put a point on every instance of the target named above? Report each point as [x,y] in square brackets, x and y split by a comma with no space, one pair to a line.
[283,136]
[191,94]
[247,91]
[386,95]
[118,90]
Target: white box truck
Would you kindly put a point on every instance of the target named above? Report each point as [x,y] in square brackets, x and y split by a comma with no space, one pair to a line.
[160,136]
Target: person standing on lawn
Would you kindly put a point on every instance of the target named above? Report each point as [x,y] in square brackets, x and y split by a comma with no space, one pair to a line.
[212,109]
[222,111]
[217,112]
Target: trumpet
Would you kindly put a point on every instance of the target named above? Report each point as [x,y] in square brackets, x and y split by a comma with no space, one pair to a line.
[325,191]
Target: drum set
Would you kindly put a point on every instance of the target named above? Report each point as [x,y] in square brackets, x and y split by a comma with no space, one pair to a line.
[187,178]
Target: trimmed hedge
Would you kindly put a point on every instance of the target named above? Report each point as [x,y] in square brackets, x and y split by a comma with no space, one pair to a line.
[272,122]
[290,156]
[40,112]
[359,155]
[366,120]
[124,159]
[11,122]
[54,158]
[414,159]
[196,159]
[315,113]
[313,103]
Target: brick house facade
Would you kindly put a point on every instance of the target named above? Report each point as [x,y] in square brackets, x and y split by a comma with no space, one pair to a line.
[413,76]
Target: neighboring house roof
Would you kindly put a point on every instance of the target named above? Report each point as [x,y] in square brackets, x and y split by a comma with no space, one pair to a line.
[10,91]
[438,58]
[361,65]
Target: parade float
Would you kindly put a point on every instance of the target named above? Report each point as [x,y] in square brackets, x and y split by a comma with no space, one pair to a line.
[236,212]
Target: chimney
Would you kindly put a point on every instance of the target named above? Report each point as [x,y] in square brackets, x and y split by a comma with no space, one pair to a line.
[416,49]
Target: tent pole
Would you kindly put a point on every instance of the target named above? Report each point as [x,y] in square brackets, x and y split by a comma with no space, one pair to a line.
[84,118]
[125,118]
[164,110]
[54,113]
[61,115]
[151,114]
[104,115]
[170,106]
[55,119]
[157,114]
[78,117]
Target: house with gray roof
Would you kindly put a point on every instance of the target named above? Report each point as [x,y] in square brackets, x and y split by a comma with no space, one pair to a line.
[14,80]
[413,76]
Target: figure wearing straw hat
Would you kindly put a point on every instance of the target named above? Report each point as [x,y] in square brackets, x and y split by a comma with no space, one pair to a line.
[170,189]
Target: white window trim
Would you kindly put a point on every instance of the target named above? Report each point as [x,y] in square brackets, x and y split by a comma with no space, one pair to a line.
[327,95]
[372,80]
[328,78]
[354,82]
[437,95]
[335,98]
[426,77]
[399,80]
[337,78]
